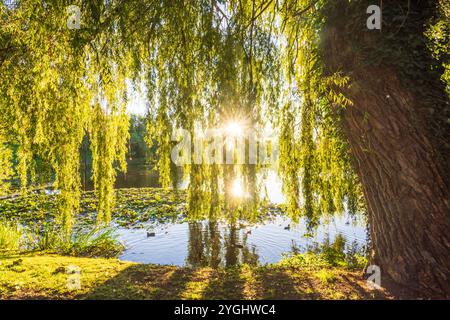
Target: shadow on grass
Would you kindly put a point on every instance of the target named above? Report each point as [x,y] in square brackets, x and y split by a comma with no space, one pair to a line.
[225,284]
[364,292]
[144,282]
[277,283]
[167,282]
[164,282]
[45,276]
[236,283]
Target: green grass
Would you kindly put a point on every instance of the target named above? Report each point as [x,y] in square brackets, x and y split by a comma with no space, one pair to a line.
[45,276]
[325,276]
[41,275]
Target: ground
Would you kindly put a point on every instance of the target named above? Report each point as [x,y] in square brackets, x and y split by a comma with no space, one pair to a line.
[45,276]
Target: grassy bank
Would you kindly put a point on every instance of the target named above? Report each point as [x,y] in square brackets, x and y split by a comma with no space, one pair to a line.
[45,276]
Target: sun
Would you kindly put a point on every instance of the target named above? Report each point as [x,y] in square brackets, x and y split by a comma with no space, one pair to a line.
[234,129]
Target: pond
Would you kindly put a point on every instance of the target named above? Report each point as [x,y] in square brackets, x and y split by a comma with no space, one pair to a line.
[215,244]
[151,222]
[209,243]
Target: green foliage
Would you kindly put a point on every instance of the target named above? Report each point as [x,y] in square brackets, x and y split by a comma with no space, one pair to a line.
[6,171]
[335,254]
[109,137]
[94,243]
[45,237]
[203,63]
[438,33]
[11,235]
[50,81]
[137,145]
[314,159]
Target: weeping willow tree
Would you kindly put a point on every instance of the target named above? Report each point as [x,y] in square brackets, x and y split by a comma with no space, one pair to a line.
[314,158]
[57,85]
[220,63]
[358,111]
[224,66]
[5,164]
[205,63]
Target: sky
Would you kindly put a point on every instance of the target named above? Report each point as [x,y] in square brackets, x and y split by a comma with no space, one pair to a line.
[137,100]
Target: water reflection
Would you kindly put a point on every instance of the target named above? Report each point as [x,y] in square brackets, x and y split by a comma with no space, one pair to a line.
[137,176]
[213,243]
[226,243]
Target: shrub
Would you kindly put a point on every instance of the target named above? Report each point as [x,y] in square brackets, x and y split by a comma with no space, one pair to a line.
[94,243]
[335,254]
[10,235]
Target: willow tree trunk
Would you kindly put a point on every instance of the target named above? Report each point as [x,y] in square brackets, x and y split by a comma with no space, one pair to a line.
[398,132]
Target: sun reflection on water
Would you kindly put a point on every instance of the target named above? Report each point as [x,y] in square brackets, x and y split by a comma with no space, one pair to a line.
[237,189]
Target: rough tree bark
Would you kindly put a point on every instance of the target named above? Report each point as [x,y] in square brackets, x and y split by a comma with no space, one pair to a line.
[398,134]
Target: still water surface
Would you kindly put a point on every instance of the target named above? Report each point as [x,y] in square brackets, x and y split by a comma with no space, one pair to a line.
[208,243]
